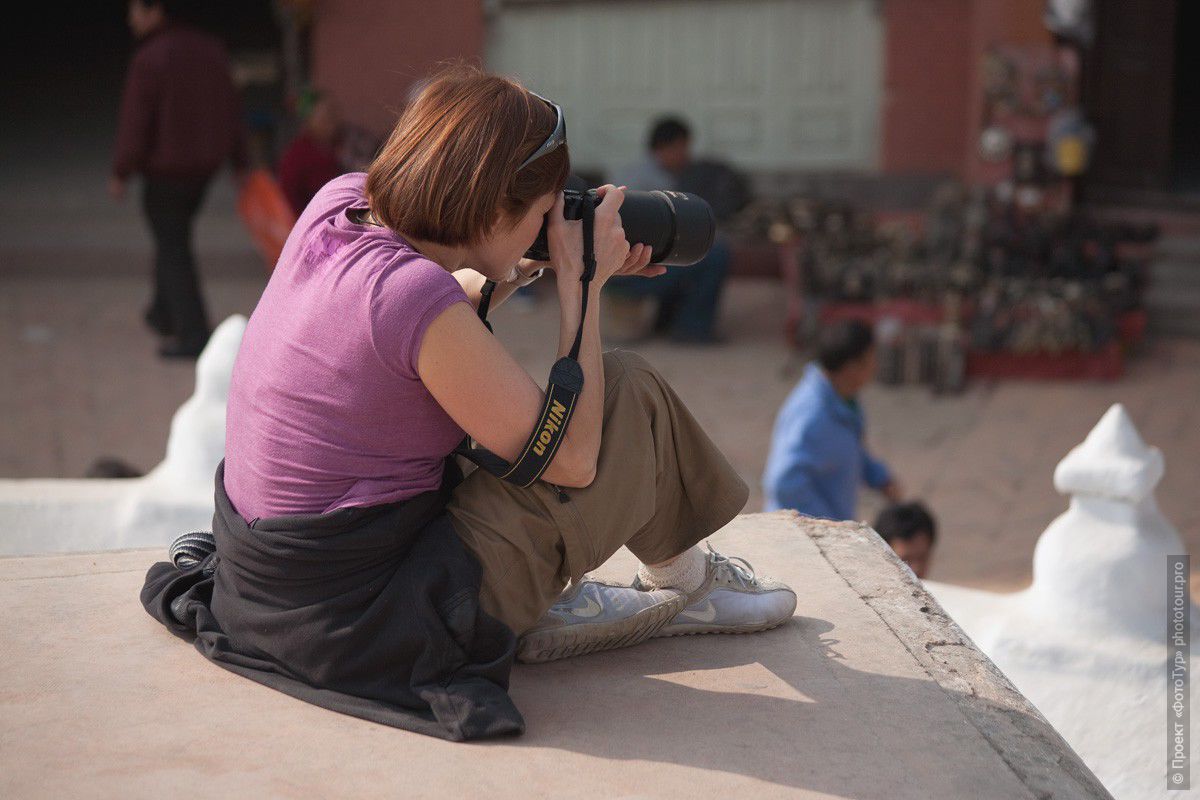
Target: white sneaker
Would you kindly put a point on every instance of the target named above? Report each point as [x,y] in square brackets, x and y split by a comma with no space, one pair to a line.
[732,599]
[593,615]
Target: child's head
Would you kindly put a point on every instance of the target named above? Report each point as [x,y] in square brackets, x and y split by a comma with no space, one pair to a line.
[846,352]
[910,530]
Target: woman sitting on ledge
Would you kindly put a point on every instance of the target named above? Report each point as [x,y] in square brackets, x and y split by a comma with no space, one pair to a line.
[354,567]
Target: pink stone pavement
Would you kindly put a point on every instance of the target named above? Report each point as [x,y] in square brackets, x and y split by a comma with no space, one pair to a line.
[870,692]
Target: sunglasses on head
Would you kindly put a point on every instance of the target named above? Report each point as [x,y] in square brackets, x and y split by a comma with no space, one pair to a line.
[558,137]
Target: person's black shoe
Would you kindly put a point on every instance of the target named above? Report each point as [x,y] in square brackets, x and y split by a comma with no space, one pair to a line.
[158,322]
[108,467]
[181,350]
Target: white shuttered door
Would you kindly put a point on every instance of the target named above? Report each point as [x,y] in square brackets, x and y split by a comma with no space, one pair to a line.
[767,84]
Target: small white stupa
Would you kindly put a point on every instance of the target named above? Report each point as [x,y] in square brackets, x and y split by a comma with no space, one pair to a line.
[1086,642]
[57,515]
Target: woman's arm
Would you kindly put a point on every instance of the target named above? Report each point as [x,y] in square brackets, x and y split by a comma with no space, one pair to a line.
[491,396]
[483,388]
[472,283]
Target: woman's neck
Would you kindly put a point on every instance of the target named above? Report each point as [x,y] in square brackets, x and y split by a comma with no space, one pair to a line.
[450,258]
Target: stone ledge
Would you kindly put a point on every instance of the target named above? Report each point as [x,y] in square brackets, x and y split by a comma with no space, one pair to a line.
[870,692]
[1021,736]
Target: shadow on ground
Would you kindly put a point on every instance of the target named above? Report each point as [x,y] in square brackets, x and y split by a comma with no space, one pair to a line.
[789,712]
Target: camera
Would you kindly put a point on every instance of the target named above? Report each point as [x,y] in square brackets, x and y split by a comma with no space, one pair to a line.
[679,227]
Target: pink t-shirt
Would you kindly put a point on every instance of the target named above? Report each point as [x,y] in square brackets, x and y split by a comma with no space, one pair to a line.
[326,409]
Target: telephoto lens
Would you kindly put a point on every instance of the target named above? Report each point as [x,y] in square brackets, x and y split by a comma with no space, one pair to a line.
[679,227]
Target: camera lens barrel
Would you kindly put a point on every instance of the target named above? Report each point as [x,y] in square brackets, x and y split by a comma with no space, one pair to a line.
[678,226]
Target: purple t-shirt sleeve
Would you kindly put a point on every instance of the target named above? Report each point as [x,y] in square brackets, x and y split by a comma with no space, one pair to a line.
[407,298]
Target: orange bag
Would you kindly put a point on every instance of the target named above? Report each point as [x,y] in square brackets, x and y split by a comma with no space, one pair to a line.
[266,213]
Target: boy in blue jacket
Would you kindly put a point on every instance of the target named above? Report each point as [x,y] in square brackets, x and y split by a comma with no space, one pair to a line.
[818,457]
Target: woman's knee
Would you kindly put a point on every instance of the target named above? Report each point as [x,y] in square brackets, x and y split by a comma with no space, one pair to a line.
[626,368]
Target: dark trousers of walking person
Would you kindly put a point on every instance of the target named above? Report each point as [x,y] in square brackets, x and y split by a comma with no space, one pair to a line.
[177,307]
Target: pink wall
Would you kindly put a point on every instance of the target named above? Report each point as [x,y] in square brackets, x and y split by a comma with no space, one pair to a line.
[927,52]
[367,53]
[932,54]
[1009,22]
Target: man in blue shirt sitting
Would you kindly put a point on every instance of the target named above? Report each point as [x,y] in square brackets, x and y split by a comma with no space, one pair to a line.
[818,457]
[687,297]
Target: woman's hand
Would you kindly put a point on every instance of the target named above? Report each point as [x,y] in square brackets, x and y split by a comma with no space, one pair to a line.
[608,239]
[638,263]
[564,239]
[614,256]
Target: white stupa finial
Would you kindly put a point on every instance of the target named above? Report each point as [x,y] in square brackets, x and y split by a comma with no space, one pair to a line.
[215,365]
[1087,641]
[1100,565]
[196,443]
[1112,462]
[177,494]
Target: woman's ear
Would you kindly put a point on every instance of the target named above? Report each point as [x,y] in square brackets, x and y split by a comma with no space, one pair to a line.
[511,220]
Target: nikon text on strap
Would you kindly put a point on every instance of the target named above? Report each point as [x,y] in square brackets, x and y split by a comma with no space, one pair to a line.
[562,393]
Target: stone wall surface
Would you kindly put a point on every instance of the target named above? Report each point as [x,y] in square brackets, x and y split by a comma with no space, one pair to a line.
[870,692]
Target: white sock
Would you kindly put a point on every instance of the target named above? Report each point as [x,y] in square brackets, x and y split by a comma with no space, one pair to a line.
[685,573]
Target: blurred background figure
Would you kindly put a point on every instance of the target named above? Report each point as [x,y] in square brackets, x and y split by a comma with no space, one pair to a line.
[668,153]
[818,456]
[311,159]
[179,122]
[688,297]
[911,532]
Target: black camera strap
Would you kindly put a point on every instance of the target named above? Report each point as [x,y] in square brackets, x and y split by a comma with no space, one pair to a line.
[562,393]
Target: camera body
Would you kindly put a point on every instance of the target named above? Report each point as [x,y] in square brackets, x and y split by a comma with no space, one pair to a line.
[678,226]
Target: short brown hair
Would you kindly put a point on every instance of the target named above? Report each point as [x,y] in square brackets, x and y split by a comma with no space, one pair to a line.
[451,164]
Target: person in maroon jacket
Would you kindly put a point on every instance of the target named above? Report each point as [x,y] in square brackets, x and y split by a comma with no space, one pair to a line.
[311,160]
[179,122]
